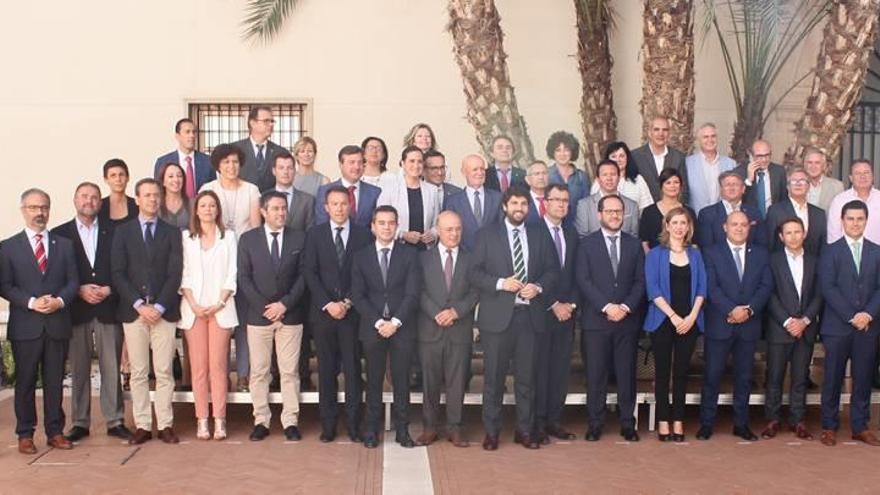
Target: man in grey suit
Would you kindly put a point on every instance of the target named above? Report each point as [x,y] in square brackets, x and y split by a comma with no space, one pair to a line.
[765,180]
[445,329]
[823,189]
[655,155]
[300,204]
[435,173]
[607,176]
[259,150]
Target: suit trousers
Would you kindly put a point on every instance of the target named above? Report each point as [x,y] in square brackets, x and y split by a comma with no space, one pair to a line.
[106,340]
[209,363]
[141,337]
[672,356]
[516,343]
[861,349]
[444,362]
[32,356]
[717,352]
[240,336]
[799,353]
[337,347]
[552,371]
[287,340]
[376,353]
[604,349]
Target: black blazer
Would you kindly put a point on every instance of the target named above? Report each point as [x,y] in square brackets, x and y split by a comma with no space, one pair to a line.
[369,295]
[138,273]
[710,225]
[104,212]
[599,287]
[644,158]
[100,274]
[778,188]
[260,177]
[20,280]
[435,297]
[493,260]
[784,301]
[784,210]
[261,283]
[566,289]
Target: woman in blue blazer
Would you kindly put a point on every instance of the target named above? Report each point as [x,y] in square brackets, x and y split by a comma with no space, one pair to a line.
[675,278]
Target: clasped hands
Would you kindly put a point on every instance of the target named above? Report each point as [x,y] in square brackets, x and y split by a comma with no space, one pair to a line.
[526,291]
[47,304]
[861,321]
[738,315]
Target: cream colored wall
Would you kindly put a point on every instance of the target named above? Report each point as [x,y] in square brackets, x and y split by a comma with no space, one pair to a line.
[84,82]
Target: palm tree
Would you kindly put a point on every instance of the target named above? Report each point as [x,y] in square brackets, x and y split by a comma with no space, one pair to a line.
[839,76]
[668,63]
[264,18]
[598,120]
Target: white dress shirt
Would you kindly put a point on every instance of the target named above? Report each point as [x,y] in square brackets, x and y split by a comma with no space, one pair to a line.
[31,238]
[802,212]
[659,160]
[470,195]
[346,228]
[711,172]
[730,207]
[796,267]
[89,237]
[379,248]
[268,233]
[835,227]
[550,227]
[524,243]
[443,255]
[254,146]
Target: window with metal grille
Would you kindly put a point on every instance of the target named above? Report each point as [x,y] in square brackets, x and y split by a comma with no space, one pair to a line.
[219,123]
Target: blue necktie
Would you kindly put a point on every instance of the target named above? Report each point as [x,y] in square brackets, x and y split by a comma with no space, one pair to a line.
[762,196]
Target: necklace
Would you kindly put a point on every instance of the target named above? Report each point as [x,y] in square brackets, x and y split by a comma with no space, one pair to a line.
[229,213]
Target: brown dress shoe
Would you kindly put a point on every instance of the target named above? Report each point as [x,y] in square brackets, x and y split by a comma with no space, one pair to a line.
[140,436]
[867,437]
[526,440]
[167,435]
[800,430]
[828,438]
[458,440]
[771,430]
[426,438]
[490,442]
[59,442]
[26,446]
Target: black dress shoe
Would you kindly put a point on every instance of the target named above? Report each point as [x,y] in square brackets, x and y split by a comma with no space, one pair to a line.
[542,437]
[355,437]
[526,440]
[490,442]
[745,433]
[704,433]
[370,441]
[678,437]
[327,435]
[593,435]
[119,431]
[629,434]
[402,437]
[76,434]
[292,434]
[559,432]
[260,432]
[664,437]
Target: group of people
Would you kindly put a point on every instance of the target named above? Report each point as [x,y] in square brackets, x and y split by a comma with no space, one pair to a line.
[253,245]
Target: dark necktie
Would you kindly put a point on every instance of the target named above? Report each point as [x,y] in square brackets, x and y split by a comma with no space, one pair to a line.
[762,196]
[352,200]
[386,313]
[340,247]
[478,208]
[519,265]
[261,158]
[149,237]
[447,269]
[275,253]
[739,262]
[558,241]
[612,253]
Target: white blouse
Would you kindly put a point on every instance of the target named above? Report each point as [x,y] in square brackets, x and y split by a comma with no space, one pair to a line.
[208,272]
[236,204]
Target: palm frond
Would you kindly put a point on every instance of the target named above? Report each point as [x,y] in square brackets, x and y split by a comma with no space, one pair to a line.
[265,18]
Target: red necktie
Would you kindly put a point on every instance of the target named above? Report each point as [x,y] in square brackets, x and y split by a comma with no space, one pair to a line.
[352,199]
[190,178]
[505,182]
[40,253]
[542,209]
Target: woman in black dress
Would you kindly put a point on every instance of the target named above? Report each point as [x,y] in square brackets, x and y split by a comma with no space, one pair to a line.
[651,223]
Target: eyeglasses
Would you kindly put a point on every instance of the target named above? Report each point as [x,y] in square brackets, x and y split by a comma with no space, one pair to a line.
[36,208]
[613,212]
[266,121]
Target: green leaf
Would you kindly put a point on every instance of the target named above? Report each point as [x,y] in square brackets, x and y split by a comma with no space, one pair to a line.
[265,18]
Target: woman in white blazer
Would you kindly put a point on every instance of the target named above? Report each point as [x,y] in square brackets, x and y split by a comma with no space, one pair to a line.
[410,195]
[207,311]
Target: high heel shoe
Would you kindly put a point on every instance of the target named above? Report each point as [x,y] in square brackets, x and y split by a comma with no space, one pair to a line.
[663,437]
[219,429]
[202,432]
[678,437]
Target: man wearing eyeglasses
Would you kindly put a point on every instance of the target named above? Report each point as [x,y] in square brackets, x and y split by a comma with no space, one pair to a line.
[797,206]
[537,177]
[765,180]
[435,173]
[259,150]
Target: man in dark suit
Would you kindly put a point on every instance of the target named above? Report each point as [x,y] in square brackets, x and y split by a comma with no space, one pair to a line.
[385,285]
[513,267]
[259,151]
[300,204]
[503,173]
[476,205]
[811,216]
[613,295]
[537,178]
[330,248]
[739,284]
[435,173]
[270,280]
[362,197]
[93,315]
[656,154]
[39,280]
[195,164]
[147,264]
[765,181]
[792,326]
[849,274]
[711,219]
[554,347]
[445,329]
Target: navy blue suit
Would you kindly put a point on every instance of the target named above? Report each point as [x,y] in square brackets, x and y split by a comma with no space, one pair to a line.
[724,292]
[710,225]
[534,217]
[461,204]
[846,293]
[366,203]
[202,167]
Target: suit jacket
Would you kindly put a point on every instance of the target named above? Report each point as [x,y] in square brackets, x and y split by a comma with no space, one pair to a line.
[658,284]
[81,311]
[493,260]
[104,212]
[846,291]
[710,225]
[725,291]
[460,203]
[447,189]
[699,195]
[778,187]
[599,286]
[435,297]
[587,219]
[366,203]
[831,187]
[138,273]
[516,176]
[566,287]
[261,283]
[222,271]
[785,303]
[202,167]
[644,158]
[370,294]
[784,210]
[260,177]
[301,212]
[21,279]
[395,193]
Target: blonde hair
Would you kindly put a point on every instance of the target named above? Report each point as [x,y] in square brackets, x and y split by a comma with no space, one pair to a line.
[664,234]
[302,143]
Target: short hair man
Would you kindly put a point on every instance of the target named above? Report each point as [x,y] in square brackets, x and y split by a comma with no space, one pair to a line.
[861,176]
[476,205]
[608,177]
[362,196]
[435,173]
[711,219]
[300,204]
[764,180]
[195,164]
[503,173]
[796,206]
[823,188]
[656,154]
[259,151]
[704,167]
[537,178]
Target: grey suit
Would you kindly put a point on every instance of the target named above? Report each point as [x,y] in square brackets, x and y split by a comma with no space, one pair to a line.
[257,174]
[587,219]
[644,159]
[831,187]
[445,353]
[301,212]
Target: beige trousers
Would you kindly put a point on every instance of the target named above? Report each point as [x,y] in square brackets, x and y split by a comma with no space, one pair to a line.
[287,340]
[140,338]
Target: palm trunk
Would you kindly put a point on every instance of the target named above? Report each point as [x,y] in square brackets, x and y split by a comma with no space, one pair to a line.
[478,47]
[847,43]
[598,119]
[668,61]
